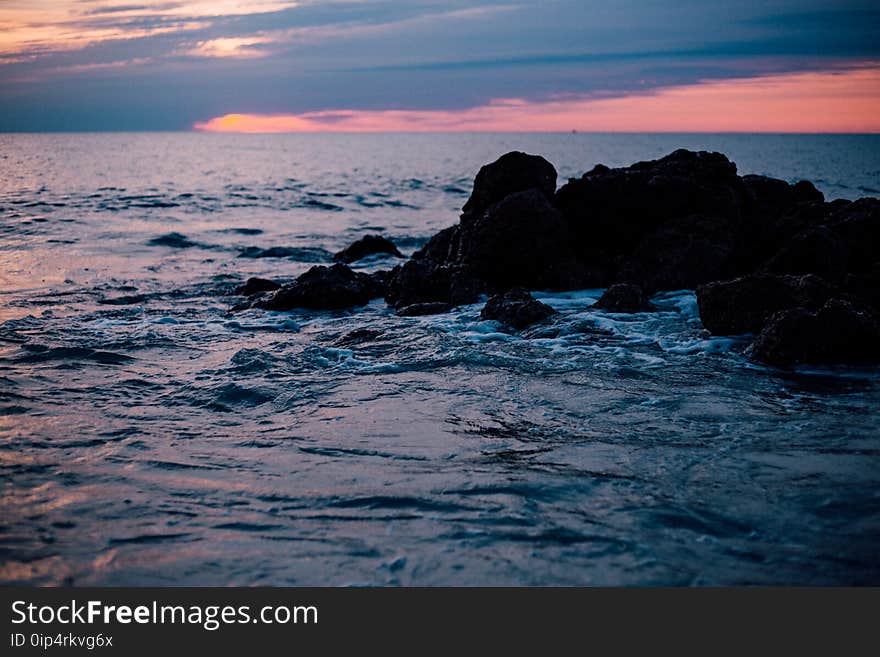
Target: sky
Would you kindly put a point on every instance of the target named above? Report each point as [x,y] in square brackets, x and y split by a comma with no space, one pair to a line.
[426,65]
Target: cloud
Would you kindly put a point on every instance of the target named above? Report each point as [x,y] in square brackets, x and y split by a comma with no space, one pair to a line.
[819,101]
[231,47]
[162,64]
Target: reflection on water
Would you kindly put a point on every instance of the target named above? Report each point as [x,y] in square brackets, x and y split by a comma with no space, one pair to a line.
[149,436]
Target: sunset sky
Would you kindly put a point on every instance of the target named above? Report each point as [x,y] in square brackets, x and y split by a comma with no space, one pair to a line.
[425,65]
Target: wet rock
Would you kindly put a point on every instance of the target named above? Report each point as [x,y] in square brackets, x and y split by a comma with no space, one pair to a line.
[516,308]
[379,280]
[358,336]
[837,333]
[323,288]
[256,285]
[510,173]
[427,308]
[624,298]
[367,245]
[743,305]
[301,253]
[423,281]
[174,241]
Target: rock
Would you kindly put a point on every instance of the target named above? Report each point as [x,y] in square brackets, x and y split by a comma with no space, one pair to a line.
[610,211]
[516,308]
[805,192]
[174,241]
[256,285]
[301,253]
[837,333]
[427,308]
[358,336]
[865,286]
[367,245]
[520,241]
[743,305]
[624,298]
[510,173]
[423,280]
[683,253]
[817,251]
[857,224]
[323,288]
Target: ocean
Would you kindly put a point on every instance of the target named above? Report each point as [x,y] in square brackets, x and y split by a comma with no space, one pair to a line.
[149,436]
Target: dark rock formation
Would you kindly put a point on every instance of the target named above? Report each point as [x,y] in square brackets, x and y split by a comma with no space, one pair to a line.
[422,280]
[683,221]
[323,288]
[426,308]
[256,285]
[744,304]
[684,252]
[516,308]
[367,245]
[621,216]
[839,332]
[624,298]
[521,240]
[510,173]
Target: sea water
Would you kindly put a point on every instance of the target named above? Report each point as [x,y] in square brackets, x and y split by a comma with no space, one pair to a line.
[150,436]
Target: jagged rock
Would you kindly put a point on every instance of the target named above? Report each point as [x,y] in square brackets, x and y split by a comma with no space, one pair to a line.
[837,333]
[743,305]
[624,298]
[521,240]
[323,288]
[516,308]
[610,211]
[367,245]
[510,173]
[423,280]
[256,285]
[426,308]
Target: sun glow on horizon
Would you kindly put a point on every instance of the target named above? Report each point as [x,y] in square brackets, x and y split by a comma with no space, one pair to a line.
[817,101]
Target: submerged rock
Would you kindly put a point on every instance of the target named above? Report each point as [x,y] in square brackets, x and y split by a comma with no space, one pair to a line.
[839,332]
[323,288]
[516,308]
[301,253]
[358,336]
[426,308]
[743,305]
[256,285]
[624,298]
[367,245]
[174,241]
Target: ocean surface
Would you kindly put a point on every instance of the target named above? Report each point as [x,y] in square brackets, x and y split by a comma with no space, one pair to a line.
[150,436]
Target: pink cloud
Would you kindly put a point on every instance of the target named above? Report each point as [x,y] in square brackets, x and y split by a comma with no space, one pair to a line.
[818,101]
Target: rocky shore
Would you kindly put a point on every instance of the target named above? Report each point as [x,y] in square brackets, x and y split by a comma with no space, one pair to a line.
[765,257]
